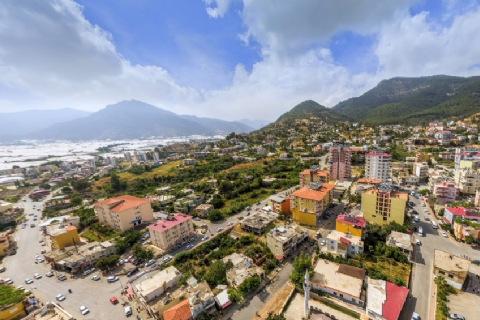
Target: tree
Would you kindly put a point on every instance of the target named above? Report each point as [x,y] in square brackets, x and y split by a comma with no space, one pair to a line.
[217,201]
[216,274]
[66,189]
[80,185]
[271,316]
[302,262]
[106,263]
[250,284]
[76,200]
[234,295]
[215,215]
[469,239]
[116,184]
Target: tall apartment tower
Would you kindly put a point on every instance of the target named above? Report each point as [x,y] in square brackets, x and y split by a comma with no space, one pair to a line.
[340,163]
[377,165]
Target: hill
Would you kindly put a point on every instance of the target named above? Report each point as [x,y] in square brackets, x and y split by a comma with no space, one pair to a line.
[220,126]
[311,109]
[124,120]
[415,100]
[15,123]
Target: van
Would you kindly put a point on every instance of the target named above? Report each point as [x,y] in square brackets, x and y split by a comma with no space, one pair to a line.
[420,231]
[128,311]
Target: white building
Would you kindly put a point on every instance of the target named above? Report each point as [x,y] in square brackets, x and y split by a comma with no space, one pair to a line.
[421,170]
[343,244]
[377,165]
[385,300]
[153,287]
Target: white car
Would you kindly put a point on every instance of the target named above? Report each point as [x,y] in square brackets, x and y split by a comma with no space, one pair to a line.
[40,259]
[84,310]
[95,278]
[219,229]
[444,234]
[112,279]
[323,242]
[188,247]
[37,275]
[150,262]
[20,288]
[8,281]
[49,274]
[166,259]
[418,242]
[60,297]
[230,223]
[28,281]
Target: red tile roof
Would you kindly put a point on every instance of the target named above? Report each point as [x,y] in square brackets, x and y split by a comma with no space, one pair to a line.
[344,240]
[122,203]
[162,225]
[461,211]
[317,195]
[373,181]
[374,154]
[395,299]
[69,228]
[352,220]
[180,311]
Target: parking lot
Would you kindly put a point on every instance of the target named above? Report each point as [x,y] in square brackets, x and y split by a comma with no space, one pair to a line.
[465,304]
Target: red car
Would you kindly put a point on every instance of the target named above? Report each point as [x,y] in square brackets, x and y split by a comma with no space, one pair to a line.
[114,300]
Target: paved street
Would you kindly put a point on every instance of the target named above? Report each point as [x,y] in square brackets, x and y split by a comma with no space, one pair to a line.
[423,276]
[93,294]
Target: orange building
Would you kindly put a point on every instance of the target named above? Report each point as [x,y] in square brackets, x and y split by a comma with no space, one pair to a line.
[279,203]
[314,174]
[308,203]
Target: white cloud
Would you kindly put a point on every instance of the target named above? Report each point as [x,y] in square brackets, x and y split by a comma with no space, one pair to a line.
[220,9]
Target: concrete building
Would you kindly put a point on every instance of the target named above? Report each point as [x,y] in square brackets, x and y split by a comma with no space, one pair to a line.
[460,212]
[421,170]
[340,281]
[366,184]
[156,156]
[13,311]
[257,222]
[385,300]
[261,151]
[469,181]
[64,236]
[465,154]
[172,231]
[308,203]
[5,206]
[189,162]
[153,287]
[284,240]
[421,157]
[313,175]
[464,230]
[203,210]
[383,205]
[343,244]
[340,160]
[354,225]
[124,212]
[279,204]
[453,268]
[243,267]
[403,241]
[445,192]
[377,165]
[128,156]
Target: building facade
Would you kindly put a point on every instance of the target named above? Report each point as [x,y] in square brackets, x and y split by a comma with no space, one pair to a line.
[282,241]
[279,204]
[64,237]
[354,225]
[421,170]
[445,192]
[460,212]
[313,175]
[452,268]
[344,244]
[383,205]
[308,203]
[124,212]
[172,231]
[340,160]
[377,165]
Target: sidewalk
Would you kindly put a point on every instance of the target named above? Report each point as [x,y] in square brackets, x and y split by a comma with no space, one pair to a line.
[433,302]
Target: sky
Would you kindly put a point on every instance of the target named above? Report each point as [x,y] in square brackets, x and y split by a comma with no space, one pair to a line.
[227,59]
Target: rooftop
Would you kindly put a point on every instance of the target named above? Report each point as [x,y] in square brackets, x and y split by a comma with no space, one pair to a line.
[461,211]
[311,194]
[386,298]
[328,274]
[258,219]
[165,224]
[372,181]
[180,311]
[450,263]
[378,154]
[393,194]
[151,284]
[122,203]
[278,199]
[284,234]
[400,240]
[352,220]
[342,237]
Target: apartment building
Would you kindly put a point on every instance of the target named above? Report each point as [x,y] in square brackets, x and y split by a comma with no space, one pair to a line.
[460,212]
[63,236]
[383,205]
[308,203]
[469,181]
[279,204]
[313,175]
[354,225]
[453,268]
[445,192]
[171,231]
[466,154]
[377,165]
[124,212]
[257,223]
[340,160]
[344,244]
[283,240]
[421,170]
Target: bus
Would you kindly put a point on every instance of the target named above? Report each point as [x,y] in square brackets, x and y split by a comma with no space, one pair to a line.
[434,225]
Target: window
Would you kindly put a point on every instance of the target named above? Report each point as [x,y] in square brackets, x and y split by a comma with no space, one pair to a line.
[341,295]
[450,275]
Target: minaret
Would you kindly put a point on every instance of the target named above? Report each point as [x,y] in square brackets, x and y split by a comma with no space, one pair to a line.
[306,290]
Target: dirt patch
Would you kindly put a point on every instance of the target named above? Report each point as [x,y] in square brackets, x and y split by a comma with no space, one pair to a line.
[275,304]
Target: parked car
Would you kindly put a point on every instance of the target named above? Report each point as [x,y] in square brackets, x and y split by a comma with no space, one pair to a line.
[427,218]
[197,219]
[128,311]
[204,226]
[84,310]
[62,277]
[323,243]
[49,274]
[230,223]
[28,281]
[417,242]
[43,251]
[95,278]
[2,269]
[219,229]
[444,234]
[456,316]
[37,275]
[60,297]
[132,272]
[188,247]
[8,281]
[166,259]
[112,279]
[191,239]
[136,262]
[205,238]
[150,262]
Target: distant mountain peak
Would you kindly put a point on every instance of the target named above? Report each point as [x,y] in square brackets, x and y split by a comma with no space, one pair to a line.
[311,109]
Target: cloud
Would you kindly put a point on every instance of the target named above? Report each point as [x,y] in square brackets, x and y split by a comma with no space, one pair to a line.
[218,11]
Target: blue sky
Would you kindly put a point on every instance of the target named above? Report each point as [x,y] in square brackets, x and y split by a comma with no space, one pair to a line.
[230,59]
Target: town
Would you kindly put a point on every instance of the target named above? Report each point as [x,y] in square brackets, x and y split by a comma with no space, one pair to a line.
[303,219]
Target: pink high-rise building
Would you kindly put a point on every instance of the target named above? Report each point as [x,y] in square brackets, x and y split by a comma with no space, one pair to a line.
[340,163]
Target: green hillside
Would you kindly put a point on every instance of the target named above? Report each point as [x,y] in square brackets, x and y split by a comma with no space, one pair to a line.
[414,100]
[308,109]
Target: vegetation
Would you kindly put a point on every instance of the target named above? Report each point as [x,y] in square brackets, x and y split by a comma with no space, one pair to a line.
[341,309]
[250,284]
[216,274]
[443,291]
[140,252]
[106,263]
[11,295]
[272,316]
[308,109]
[128,239]
[301,263]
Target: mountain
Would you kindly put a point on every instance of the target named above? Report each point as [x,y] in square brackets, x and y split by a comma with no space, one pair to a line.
[255,124]
[123,120]
[309,109]
[415,100]
[220,126]
[22,122]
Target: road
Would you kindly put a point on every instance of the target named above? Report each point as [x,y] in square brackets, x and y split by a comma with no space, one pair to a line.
[93,294]
[423,256]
